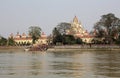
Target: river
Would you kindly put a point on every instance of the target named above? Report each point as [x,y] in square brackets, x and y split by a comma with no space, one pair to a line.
[74,64]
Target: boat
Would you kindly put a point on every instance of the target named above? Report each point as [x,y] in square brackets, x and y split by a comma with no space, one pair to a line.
[37,48]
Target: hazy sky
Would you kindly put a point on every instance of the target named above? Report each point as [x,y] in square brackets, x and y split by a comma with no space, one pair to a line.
[19,15]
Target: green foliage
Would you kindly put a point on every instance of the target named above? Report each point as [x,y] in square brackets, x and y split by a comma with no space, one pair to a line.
[79,41]
[3,41]
[57,39]
[60,37]
[59,31]
[35,32]
[55,32]
[107,27]
[62,27]
[68,39]
[11,42]
[118,40]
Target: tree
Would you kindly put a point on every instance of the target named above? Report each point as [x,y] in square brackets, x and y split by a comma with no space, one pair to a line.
[56,36]
[11,42]
[79,41]
[55,32]
[59,31]
[35,33]
[108,27]
[69,39]
[118,40]
[3,41]
[63,27]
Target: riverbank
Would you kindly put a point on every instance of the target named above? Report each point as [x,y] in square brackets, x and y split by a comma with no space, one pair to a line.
[85,48]
[81,49]
[65,48]
[11,48]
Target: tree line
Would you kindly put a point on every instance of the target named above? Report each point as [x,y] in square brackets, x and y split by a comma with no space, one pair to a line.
[107,29]
[60,37]
[6,42]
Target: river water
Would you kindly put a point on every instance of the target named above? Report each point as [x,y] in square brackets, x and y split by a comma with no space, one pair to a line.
[74,64]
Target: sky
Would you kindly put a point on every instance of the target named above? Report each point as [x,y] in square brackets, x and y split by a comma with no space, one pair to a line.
[19,15]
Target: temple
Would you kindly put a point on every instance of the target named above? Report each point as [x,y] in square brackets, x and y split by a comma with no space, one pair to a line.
[78,31]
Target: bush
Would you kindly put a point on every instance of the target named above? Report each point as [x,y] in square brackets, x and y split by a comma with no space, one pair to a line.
[3,41]
[79,41]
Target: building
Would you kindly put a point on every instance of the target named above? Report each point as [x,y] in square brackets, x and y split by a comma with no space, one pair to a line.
[27,39]
[78,31]
[43,39]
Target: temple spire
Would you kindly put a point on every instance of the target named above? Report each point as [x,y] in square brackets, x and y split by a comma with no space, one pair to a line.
[75,19]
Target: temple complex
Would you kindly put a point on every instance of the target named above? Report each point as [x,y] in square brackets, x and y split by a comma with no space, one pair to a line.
[78,31]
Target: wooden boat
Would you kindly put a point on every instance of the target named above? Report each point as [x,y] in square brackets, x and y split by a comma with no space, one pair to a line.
[37,48]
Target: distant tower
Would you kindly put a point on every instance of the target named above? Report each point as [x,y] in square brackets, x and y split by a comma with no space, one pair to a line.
[76,27]
[75,20]
[78,31]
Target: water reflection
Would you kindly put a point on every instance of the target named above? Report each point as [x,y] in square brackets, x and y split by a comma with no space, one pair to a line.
[75,64]
[108,64]
[60,65]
